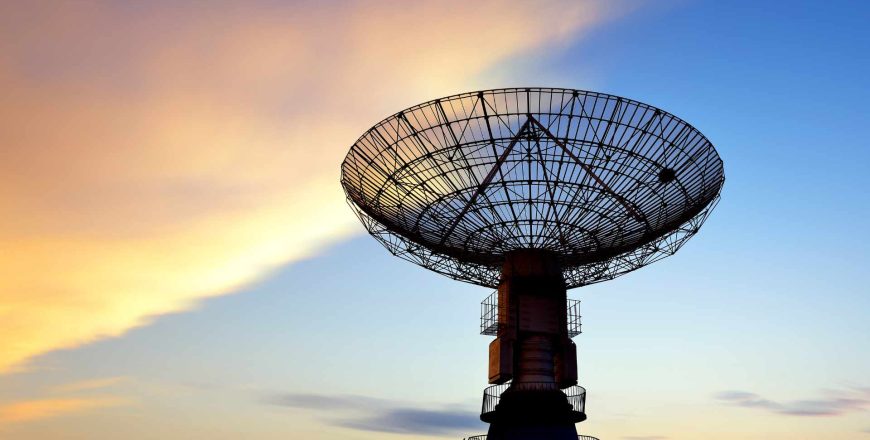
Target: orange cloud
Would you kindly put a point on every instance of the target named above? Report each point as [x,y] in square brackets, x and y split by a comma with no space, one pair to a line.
[45,408]
[153,157]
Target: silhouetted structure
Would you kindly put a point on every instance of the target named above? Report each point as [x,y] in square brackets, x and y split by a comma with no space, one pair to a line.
[532,191]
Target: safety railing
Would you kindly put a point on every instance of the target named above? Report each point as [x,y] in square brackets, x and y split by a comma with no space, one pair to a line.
[576,395]
[573,317]
[489,316]
[483,437]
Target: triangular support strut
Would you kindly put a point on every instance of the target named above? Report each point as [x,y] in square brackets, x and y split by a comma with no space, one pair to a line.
[500,161]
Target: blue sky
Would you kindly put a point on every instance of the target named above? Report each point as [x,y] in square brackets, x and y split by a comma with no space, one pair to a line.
[757,329]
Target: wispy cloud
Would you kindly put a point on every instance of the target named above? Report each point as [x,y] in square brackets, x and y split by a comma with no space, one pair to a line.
[834,404]
[68,398]
[646,437]
[160,154]
[418,421]
[321,401]
[30,410]
[88,385]
[381,415]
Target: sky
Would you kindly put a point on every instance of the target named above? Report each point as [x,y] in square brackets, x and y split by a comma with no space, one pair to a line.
[177,259]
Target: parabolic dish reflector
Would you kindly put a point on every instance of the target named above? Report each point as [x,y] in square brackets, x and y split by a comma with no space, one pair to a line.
[606,183]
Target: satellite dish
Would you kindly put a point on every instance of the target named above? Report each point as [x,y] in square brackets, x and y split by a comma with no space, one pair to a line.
[532,191]
[605,183]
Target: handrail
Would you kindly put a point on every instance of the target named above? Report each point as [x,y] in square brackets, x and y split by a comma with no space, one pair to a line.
[576,395]
[489,324]
[489,315]
[483,437]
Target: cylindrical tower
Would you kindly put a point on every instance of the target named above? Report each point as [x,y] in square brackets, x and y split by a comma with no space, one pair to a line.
[533,350]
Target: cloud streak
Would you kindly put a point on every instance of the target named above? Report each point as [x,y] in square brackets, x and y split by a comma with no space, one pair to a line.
[64,399]
[89,385]
[417,421]
[646,437]
[381,415]
[38,409]
[838,403]
[158,154]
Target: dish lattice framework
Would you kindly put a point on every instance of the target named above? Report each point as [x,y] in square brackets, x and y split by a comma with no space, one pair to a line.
[607,183]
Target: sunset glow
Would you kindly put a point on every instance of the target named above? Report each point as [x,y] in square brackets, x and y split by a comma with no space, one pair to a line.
[178,260]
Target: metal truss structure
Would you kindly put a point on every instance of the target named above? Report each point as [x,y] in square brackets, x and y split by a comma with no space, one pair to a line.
[608,184]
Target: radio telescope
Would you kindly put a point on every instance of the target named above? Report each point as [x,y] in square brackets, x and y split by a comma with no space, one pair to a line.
[532,191]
